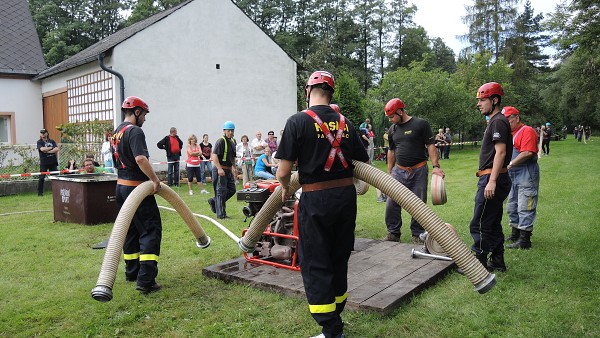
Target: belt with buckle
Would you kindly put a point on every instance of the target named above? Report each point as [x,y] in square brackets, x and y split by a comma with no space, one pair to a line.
[129,183]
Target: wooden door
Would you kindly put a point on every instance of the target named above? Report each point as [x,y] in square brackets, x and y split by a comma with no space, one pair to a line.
[55,113]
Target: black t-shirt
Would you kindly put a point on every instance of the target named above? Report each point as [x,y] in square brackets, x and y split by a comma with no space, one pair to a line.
[47,158]
[409,140]
[219,150]
[132,143]
[303,140]
[498,130]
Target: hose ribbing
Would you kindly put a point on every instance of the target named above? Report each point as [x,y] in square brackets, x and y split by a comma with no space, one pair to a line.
[448,240]
[103,290]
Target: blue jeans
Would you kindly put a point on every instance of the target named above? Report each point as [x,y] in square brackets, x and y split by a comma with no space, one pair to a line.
[109,164]
[486,225]
[415,181]
[264,174]
[173,170]
[205,165]
[523,196]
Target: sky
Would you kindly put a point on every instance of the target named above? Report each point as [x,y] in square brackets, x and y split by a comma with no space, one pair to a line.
[443,18]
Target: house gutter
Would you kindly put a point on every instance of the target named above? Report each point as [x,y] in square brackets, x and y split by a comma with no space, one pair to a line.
[117,74]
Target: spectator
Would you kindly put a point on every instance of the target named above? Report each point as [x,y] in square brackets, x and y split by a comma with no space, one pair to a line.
[448,137]
[547,134]
[205,163]
[272,141]
[193,164]
[91,157]
[223,158]
[172,144]
[440,142]
[258,145]
[371,146]
[90,168]
[71,165]
[244,155]
[107,153]
[48,150]
[411,142]
[264,165]
[142,243]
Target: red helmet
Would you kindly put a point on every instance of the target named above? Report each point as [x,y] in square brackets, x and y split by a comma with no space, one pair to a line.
[508,111]
[335,107]
[134,101]
[319,77]
[489,89]
[392,107]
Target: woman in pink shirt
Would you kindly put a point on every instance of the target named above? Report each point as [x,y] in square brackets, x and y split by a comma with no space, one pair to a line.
[193,164]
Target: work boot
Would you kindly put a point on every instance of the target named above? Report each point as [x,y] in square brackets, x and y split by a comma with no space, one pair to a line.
[148,289]
[496,262]
[213,207]
[392,237]
[417,240]
[514,235]
[482,258]
[524,241]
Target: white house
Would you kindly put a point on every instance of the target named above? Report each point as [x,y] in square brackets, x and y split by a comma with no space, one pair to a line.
[197,65]
[21,59]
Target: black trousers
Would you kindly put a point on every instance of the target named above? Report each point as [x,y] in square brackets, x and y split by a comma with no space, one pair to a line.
[45,167]
[142,243]
[327,219]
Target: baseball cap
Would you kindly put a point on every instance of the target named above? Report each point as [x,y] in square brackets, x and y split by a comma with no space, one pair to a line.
[43,130]
[508,111]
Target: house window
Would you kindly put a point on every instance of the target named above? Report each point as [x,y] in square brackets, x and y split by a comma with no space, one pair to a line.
[7,128]
[90,97]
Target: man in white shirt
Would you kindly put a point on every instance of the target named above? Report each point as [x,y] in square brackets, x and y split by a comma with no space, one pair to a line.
[258,145]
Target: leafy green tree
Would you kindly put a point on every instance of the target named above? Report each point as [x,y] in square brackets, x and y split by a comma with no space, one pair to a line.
[348,96]
[440,56]
[489,21]
[401,17]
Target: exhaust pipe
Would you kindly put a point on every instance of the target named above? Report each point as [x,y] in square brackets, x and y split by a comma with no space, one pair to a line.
[103,290]
[477,274]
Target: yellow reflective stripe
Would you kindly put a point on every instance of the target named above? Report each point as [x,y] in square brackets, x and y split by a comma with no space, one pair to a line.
[342,298]
[149,257]
[529,203]
[325,308]
[129,257]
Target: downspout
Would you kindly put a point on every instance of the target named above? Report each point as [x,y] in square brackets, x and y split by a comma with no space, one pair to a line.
[117,74]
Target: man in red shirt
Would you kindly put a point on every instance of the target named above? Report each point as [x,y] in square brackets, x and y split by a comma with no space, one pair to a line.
[525,175]
[172,144]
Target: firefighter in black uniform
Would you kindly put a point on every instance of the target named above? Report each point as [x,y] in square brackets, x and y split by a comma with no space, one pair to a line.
[142,244]
[324,143]
[494,183]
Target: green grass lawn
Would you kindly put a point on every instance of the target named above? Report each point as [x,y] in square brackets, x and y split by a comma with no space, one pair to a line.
[48,269]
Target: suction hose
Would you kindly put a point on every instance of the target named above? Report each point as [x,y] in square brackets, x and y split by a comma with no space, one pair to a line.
[448,239]
[103,290]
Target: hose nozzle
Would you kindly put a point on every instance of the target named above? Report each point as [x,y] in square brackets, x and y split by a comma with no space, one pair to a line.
[102,293]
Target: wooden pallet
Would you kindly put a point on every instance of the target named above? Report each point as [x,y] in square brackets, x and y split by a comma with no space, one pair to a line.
[381,275]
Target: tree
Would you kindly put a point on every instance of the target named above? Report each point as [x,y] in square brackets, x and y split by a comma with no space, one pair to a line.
[400,20]
[348,96]
[66,27]
[489,21]
[440,56]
